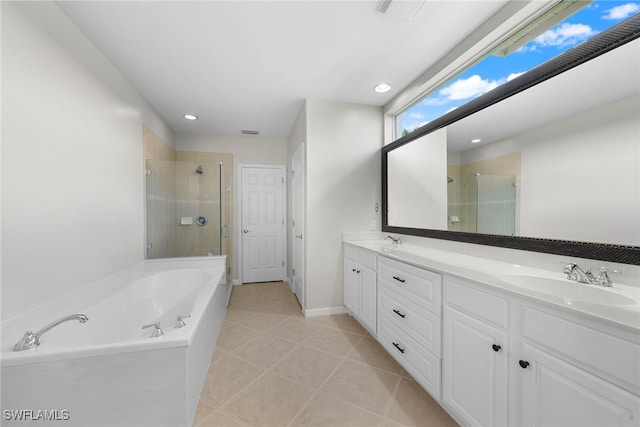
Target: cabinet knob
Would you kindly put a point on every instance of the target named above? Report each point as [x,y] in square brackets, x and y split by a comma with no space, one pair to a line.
[523,364]
[496,347]
[354,270]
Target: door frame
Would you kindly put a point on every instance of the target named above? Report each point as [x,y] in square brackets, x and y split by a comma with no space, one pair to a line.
[238,231]
[301,217]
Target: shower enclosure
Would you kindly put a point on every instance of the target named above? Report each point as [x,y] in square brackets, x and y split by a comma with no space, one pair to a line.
[185,208]
[482,204]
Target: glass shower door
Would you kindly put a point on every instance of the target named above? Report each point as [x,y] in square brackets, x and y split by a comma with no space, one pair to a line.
[184,209]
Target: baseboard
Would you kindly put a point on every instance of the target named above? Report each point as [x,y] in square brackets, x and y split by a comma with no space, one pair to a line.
[236,282]
[289,282]
[327,311]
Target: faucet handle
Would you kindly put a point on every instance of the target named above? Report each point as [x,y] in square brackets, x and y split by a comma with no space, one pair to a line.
[180,320]
[603,278]
[157,332]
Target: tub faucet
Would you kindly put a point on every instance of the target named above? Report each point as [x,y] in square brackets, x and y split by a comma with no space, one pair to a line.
[30,340]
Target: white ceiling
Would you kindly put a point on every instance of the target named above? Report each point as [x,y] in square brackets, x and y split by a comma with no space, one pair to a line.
[250,64]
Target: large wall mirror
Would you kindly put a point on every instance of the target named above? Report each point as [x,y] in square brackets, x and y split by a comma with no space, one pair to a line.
[558,168]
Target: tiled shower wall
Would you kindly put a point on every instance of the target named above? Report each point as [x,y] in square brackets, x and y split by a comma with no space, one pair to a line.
[203,199]
[174,190]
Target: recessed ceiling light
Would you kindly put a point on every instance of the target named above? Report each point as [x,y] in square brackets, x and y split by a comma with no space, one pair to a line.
[190,117]
[382,88]
[475,141]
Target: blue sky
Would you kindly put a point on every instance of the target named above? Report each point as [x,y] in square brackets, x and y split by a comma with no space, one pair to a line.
[494,71]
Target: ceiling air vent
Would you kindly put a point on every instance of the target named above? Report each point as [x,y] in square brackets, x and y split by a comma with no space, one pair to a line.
[384,5]
[250,132]
[405,9]
[546,21]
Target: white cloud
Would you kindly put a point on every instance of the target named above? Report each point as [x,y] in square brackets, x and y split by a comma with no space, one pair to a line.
[513,76]
[565,34]
[468,88]
[416,115]
[622,11]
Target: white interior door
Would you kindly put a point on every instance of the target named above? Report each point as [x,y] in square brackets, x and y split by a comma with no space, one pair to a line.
[262,225]
[297,223]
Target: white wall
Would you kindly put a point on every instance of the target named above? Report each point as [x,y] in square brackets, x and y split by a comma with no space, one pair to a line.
[580,175]
[245,149]
[72,183]
[296,138]
[417,183]
[342,188]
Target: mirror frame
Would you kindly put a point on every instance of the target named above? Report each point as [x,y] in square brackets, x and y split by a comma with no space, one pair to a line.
[604,42]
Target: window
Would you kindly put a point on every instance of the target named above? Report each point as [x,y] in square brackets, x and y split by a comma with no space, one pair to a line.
[513,58]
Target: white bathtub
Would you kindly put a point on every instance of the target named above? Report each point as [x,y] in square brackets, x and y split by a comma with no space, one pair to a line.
[108,371]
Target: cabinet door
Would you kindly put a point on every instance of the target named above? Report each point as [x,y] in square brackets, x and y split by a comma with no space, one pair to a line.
[368,299]
[556,393]
[474,377]
[351,285]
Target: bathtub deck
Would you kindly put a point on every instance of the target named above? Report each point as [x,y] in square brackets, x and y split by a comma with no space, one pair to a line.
[273,367]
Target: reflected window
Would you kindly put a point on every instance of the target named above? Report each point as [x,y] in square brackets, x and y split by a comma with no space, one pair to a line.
[563,27]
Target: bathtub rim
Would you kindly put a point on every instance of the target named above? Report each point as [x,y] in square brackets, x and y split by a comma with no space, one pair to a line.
[148,268]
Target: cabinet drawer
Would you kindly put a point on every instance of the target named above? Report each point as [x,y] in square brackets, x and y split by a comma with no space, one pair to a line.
[423,366]
[351,252]
[471,299]
[418,323]
[424,286]
[367,259]
[614,358]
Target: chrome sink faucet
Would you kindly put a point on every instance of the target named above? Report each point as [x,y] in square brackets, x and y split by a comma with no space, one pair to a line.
[574,272]
[31,340]
[395,240]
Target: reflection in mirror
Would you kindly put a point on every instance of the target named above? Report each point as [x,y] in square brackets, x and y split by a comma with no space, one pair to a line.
[559,160]
[417,190]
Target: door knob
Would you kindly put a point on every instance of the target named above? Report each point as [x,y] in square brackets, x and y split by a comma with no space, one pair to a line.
[245,231]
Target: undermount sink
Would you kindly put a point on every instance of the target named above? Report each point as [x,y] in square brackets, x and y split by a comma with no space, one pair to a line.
[571,293]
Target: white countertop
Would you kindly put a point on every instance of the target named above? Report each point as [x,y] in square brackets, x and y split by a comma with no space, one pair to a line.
[619,304]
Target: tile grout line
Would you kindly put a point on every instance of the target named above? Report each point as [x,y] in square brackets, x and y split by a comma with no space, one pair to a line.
[334,326]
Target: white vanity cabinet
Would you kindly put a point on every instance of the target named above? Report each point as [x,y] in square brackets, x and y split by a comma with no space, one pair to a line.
[360,288]
[475,353]
[509,361]
[409,322]
[573,372]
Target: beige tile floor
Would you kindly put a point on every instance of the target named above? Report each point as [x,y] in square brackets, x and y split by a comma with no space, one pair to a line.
[273,367]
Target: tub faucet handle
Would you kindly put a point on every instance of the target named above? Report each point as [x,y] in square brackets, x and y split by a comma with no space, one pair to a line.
[180,320]
[157,331]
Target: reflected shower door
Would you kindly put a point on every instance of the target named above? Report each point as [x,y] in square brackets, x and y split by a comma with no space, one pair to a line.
[496,211]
